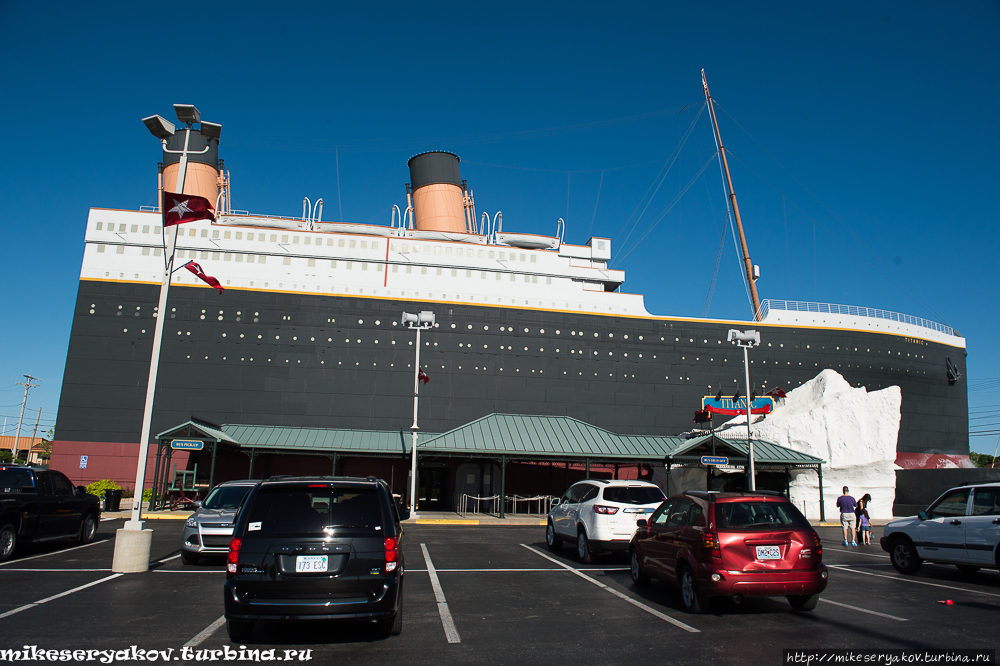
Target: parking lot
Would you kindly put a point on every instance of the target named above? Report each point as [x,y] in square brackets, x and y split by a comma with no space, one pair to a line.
[493,595]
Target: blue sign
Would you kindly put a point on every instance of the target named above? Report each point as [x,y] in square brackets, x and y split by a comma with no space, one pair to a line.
[83,462]
[187,444]
[714,460]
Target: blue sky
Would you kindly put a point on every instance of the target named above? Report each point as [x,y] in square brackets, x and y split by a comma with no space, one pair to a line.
[864,137]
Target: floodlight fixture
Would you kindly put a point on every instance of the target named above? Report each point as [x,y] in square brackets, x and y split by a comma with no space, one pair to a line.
[423,320]
[211,130]
[187,113]
[159,127]
[744,338]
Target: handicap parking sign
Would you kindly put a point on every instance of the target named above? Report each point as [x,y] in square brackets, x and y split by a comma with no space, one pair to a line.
[83,462]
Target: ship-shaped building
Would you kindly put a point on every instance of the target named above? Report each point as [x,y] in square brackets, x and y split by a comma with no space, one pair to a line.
[308,330]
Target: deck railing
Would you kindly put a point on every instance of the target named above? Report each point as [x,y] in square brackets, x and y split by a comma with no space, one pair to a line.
[853,310]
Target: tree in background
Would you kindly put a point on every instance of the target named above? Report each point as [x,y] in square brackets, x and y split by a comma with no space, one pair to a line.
[982,459]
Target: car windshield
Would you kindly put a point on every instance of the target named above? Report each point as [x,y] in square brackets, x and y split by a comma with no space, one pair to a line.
[315,510]
[226,497]
[751,515]
[633,495]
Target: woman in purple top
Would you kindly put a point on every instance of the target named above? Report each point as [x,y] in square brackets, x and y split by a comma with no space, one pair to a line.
[847,505]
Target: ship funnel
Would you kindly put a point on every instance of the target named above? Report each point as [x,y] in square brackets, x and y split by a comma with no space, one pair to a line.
[438,196]
[202,178]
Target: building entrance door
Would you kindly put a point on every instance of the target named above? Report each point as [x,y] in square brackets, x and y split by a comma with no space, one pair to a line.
[433,495]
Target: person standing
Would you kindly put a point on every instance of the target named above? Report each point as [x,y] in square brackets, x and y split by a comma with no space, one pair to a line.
[862,508]
[848,521]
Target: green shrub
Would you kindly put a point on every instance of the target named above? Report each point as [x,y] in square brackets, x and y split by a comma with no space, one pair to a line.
[98,487]
[6,456]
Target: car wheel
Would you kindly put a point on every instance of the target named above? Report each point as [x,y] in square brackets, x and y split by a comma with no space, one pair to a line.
[551,540]
[635,565]
[88,529]
[583,548]
[968,568]
[806,602]
[8,541]
[904,558]
[189,558]
[392,626]
[692,598]
[239,632]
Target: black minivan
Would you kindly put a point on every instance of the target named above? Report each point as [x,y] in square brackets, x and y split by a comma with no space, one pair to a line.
[315,548]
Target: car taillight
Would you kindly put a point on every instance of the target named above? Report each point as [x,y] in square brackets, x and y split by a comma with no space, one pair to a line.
[391,554]
[710,541]
[607,510]
[819,546]
[233,559]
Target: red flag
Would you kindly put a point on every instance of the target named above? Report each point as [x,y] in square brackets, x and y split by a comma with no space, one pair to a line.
[181,208]
[196,269]
[422,376]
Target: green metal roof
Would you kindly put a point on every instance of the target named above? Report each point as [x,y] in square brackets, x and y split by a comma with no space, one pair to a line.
[198,430]
[513,435]
[322,439]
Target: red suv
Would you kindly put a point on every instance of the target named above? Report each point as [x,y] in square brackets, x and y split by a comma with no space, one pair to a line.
[730,545]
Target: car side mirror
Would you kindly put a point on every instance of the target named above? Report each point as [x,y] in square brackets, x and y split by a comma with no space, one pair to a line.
[556,501]
[922,515]
[81,490]
[404,513]
[196,504]
[641,522]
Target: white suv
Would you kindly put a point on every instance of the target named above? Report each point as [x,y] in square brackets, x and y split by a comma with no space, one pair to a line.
[962,527]
[600,515]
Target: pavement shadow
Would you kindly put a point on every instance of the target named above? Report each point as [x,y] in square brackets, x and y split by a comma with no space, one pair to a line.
[314,633]
[50,547]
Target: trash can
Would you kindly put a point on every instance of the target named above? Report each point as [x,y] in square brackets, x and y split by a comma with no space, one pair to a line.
[112,500]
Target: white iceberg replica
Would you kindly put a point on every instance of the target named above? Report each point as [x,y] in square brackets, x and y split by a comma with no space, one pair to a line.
[853,430]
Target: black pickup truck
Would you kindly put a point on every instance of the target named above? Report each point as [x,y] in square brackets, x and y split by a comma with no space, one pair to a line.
[41,505]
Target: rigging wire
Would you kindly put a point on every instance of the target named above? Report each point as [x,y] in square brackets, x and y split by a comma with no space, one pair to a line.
[915,296]
[670,206]
[662,176]
[715,273]
[597,201]
[836,238]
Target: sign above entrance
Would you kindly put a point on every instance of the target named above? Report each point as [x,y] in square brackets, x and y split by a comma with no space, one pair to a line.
[187,444]
[714,460]
[730,407]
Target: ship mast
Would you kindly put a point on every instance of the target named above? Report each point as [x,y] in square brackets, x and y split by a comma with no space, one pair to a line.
[747,264]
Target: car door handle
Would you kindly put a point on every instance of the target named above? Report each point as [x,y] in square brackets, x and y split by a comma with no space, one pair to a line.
[956,522]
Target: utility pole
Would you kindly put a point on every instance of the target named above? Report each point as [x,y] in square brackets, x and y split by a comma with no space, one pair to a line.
[33,433]
[27,386]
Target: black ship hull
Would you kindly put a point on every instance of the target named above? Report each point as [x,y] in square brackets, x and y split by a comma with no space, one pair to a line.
[327,361]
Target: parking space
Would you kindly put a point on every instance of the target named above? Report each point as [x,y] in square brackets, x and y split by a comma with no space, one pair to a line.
[500,597]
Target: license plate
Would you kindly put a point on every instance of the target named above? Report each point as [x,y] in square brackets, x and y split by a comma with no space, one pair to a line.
[768,552]
[306,563]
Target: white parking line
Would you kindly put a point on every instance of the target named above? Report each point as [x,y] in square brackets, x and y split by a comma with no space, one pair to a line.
[620,595]
[3,570]
[910,580]
[450,631]
[165,559]
[190,571]
[57,596]
[57,552]
[855,552]
[513,570]
[865,610]
[203,635]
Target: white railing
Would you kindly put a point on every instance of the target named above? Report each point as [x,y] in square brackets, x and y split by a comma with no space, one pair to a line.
[853,310]
[538,505]
[471,504]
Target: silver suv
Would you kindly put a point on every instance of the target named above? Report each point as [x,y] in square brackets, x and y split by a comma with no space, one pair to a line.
[209,529]
[962,527]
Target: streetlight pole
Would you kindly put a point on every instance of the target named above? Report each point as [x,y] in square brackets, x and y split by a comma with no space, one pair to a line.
[747,339]
[421,322]
[17,433]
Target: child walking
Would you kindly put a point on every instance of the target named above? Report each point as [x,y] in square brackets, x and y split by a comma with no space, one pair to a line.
[864,524]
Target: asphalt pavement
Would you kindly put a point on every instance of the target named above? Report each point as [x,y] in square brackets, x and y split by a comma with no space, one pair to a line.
[490,595]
